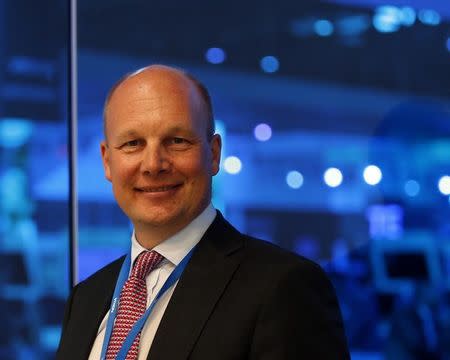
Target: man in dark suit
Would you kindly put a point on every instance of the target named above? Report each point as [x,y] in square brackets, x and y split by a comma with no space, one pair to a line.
[237,297]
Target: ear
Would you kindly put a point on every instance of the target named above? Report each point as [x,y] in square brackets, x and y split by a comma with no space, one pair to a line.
[216,148]
[105,159]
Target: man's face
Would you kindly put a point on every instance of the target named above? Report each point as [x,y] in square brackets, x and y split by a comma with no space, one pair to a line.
[157,154]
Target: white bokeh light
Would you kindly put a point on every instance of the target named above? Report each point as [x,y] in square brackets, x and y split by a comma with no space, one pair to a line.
[444,185]
[294,179]
[372,175]
[232,165]
[262,132]
[333,177]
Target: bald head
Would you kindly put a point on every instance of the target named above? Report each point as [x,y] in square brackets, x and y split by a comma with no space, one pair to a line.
[166,76]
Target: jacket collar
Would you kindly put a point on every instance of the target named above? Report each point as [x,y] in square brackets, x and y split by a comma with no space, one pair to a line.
[205,278]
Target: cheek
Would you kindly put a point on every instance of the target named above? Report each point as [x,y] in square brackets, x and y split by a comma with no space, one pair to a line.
[122,172]
[195,168]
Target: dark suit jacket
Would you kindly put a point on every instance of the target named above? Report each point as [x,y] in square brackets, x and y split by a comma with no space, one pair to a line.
[238,298]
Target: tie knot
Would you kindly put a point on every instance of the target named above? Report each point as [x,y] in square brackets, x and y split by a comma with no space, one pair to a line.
[145,262]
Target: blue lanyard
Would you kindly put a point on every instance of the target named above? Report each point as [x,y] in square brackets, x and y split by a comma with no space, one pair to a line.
[137,327]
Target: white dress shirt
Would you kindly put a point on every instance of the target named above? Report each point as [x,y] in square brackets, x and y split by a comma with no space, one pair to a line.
[174,249]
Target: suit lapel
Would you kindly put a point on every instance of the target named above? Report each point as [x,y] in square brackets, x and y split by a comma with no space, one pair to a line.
[95,307]
[205,278]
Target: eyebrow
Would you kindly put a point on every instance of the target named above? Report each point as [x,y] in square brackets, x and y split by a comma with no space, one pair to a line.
[126,134]
[131,133]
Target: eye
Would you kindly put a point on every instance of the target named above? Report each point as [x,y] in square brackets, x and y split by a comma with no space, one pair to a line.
[177,143]
[178,140]
[132,143]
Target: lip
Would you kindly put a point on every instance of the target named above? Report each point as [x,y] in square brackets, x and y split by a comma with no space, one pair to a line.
[159,191]
[158,188]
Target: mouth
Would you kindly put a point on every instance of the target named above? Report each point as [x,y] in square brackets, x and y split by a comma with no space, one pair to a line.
[157,189]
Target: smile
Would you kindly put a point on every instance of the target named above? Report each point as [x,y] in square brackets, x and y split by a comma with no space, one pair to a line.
[156,189]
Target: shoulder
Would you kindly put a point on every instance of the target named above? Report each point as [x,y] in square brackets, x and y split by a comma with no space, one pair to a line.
[269,258]
[296,300]
[273,271]
[264,263]
[258,254]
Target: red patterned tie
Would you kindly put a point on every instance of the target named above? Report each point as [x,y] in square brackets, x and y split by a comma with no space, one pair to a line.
[132,304]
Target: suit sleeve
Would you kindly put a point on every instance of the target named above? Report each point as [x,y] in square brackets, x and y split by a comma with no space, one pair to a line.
[300,319]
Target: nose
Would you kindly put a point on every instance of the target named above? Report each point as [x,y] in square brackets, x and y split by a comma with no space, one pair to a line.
[155,160]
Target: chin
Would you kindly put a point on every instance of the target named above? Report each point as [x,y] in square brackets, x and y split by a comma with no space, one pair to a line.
[160,220]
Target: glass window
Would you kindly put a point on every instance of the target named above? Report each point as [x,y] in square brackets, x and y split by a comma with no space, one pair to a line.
[33,177]
[334,116]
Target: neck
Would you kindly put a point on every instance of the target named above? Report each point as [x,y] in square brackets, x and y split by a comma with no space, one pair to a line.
[151,235]
[149,238]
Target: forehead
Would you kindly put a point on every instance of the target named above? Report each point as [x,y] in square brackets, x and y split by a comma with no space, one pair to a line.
[159,96]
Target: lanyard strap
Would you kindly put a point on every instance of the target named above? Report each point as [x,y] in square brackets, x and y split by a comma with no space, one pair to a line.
[137,327]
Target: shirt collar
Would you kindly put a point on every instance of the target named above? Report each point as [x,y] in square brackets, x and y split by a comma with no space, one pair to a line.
[175,248]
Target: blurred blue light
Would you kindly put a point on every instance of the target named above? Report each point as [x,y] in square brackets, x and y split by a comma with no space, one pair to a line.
[13,190]
[407,16]
[215,55]
[269,64]
[412,188]
[23,65]
[263,132]
[323,27]
[333,177]
[294,179]
[444,185]
[14,132]
[302,27]
[429,17]
[372,175]
[448,44]
[232,165]
[385,221]
[353,25]
[387,19]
